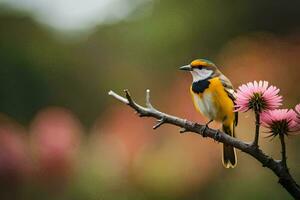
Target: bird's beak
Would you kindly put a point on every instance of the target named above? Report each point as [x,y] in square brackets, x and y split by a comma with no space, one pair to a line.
[186,68]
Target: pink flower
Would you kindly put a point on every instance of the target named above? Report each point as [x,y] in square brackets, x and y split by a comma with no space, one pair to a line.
[258,96]
[280,121]
[297,109]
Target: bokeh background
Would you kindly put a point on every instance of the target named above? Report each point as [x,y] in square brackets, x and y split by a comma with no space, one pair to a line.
[63,137]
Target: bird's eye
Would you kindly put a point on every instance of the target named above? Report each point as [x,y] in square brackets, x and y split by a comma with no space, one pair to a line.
[200,67]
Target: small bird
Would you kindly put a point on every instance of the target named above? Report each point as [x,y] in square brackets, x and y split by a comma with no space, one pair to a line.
[213,96]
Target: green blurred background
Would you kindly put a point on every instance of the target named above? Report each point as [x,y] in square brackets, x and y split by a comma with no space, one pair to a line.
[63,137]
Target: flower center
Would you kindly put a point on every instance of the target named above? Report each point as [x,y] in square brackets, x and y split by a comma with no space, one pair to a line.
[257,102]
[280,127]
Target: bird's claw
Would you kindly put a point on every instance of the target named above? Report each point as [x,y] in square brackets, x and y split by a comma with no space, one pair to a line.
[217,136]
[203,130]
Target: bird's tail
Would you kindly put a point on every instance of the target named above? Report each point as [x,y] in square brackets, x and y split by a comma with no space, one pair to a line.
[229,155]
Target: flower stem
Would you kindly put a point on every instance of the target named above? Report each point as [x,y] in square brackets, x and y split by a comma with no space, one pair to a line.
[257,126]
[283,150]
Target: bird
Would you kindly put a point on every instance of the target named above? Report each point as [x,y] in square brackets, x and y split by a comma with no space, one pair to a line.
[213,96]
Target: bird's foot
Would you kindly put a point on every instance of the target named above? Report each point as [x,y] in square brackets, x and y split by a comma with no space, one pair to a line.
[203,128]
[210,121]
[217,136]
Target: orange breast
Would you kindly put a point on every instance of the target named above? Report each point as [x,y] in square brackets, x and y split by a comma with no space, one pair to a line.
[214,102]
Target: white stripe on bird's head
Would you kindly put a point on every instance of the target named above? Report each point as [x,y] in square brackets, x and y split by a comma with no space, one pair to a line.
[201,74]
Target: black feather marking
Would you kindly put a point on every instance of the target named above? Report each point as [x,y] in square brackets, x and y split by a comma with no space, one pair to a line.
[200,86]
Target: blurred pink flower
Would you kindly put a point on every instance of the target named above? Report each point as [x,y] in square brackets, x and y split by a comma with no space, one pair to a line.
[297,109]
[280,121]
[15,163]
[55,137]
[258,96]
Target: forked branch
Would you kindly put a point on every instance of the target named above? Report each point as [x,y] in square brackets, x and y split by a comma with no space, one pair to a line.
[278,167]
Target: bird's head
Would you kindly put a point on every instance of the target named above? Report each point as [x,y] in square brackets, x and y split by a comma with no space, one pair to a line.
[201,69]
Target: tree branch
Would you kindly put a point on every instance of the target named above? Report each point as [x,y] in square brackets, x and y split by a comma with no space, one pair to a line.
[285,179]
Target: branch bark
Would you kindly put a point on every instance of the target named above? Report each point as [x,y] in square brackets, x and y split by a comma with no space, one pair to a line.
[278,167]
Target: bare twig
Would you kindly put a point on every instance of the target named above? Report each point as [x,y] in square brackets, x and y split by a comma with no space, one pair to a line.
[183,130]
[160,122]
[285,178]
[148,103]
[118,97]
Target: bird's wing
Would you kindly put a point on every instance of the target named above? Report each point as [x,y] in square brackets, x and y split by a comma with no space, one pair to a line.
[230,91]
